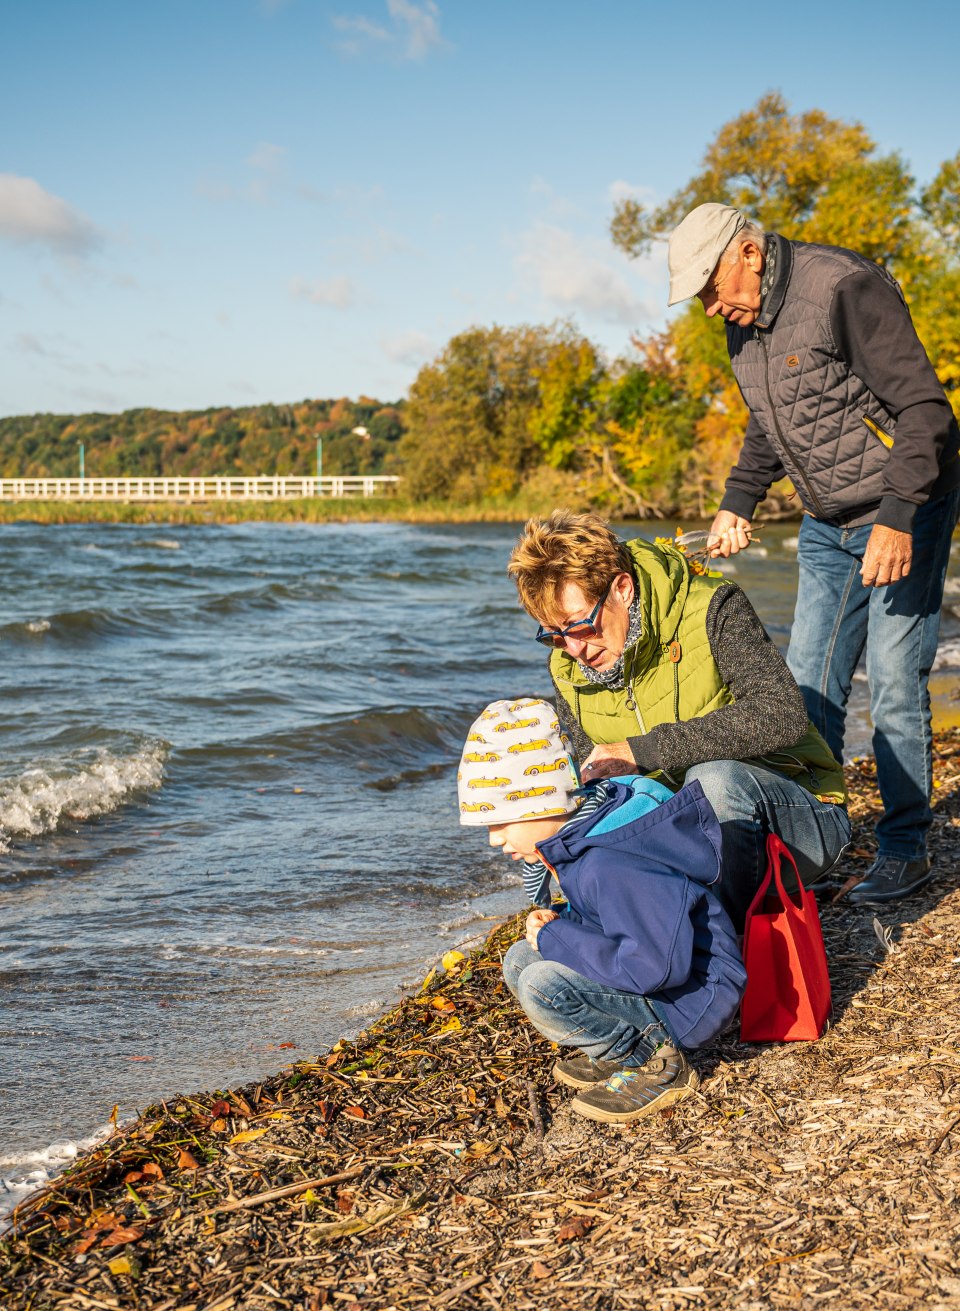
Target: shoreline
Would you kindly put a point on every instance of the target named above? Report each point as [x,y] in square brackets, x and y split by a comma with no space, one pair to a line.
[431,1160]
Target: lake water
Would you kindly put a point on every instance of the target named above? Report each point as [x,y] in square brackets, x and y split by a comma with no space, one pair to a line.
[228,824]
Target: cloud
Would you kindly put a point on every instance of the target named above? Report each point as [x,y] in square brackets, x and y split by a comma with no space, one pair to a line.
[619,191]
[339,293]
[411,347]
[412,32]
[28,214]
[579,275]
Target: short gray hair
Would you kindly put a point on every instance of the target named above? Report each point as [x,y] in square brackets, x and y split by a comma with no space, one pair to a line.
[749,232]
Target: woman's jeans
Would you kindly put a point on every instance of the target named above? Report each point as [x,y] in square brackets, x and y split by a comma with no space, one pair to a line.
[836,617]
[751,802]
[573,1011]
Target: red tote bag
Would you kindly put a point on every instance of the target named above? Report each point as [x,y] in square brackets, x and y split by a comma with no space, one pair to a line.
[787,998]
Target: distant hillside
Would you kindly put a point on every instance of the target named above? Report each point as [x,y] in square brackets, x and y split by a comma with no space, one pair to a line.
[264,439]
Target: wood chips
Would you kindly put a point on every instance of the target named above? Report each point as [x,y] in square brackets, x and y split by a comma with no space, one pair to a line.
[432,1162]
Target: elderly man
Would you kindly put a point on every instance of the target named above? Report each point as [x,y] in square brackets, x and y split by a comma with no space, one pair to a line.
[844,401]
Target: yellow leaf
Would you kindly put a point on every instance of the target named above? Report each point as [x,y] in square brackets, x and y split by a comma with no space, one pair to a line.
[451,1026]
[248,1135]
[451,959]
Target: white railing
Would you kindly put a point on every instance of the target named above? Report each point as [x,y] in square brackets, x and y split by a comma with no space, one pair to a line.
[190,489]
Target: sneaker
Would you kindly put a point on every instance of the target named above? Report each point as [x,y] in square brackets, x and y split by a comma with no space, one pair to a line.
[888,879]
[581,1072]
[633,1093]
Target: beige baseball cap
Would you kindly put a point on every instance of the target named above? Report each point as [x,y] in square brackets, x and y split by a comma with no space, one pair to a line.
[516,764]
[696,244]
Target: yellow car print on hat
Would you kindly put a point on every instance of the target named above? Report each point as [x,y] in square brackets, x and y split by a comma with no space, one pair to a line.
[538,744]
[545,767]
[542,814]
[510,725]
[474,806]
[480,757]
[521,793]
[488,783]
[475,737]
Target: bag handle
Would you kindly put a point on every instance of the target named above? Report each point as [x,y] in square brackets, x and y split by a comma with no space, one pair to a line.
[776,850]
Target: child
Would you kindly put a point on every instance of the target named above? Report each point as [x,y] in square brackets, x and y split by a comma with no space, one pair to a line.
[642,960]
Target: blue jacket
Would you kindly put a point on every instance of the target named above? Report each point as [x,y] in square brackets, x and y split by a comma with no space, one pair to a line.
[641,916]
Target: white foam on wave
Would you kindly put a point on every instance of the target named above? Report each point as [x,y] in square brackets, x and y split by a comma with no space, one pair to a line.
[163,543]
[38,626]
[75,789]
[25,1174]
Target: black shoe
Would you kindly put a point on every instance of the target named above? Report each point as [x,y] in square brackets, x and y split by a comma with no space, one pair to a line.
[581,1072]
[888,879]
[635,1092]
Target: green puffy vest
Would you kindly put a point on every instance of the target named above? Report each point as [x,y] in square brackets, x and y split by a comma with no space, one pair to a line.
[670,674]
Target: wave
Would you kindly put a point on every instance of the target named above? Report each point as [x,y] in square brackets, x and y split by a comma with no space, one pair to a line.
[25,1174]
[76,626]
[75,789]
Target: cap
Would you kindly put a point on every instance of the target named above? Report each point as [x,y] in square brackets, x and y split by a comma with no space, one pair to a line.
[516,764]
[696,244]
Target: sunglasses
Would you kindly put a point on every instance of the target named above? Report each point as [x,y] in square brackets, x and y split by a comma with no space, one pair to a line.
[579,629]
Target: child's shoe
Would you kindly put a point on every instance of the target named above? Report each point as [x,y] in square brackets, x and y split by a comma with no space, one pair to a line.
[633,1093]
[581,1071]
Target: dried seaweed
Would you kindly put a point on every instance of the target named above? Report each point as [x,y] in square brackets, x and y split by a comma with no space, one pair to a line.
[431,1161]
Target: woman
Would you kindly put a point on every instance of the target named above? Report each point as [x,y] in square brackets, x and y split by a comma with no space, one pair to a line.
[664,672]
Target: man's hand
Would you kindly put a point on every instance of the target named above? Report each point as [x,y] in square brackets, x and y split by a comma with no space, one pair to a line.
[535,922]
[887,557]
[734,534]
[607,762]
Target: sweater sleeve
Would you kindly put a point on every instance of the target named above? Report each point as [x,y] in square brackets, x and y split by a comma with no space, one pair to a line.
[758,466]
[875,335]
[570,725]
[767,713]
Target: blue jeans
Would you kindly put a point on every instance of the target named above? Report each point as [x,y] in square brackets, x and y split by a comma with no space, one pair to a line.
[836,617]
[569,1009]
[751,802]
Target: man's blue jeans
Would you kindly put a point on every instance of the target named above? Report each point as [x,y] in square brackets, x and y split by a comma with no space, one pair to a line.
[574,1011]
[752,802]
[899,624]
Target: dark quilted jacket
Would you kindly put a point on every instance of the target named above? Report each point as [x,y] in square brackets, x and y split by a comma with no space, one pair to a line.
[831,433]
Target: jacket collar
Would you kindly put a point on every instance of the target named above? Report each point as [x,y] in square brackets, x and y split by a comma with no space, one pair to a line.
[772,301]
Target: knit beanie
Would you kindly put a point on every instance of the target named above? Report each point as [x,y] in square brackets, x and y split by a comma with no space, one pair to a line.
[516,764]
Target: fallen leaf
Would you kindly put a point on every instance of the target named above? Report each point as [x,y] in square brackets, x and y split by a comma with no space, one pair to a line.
[357,1112]
[443,1004]
[576,1227]
[248,1136]
[327,1111]
[451,959]
[540,1271]
[219,1108]
[187,1161]
[345,1200]
[451,1026]
[122,1235]
[218,1126]
[124,1265]
[284,1046]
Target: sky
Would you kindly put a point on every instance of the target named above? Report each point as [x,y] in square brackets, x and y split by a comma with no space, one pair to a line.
[230,202]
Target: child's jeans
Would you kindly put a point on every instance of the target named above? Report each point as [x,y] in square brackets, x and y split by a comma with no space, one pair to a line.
[605,1023]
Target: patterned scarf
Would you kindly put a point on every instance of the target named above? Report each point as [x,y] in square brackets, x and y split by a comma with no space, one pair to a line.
[613,678]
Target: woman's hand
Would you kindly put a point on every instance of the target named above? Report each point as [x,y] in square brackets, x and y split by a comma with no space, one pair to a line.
[535,922]
[608,761]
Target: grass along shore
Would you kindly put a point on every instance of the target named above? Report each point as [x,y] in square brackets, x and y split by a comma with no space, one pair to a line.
[432,1162]
[352,509]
